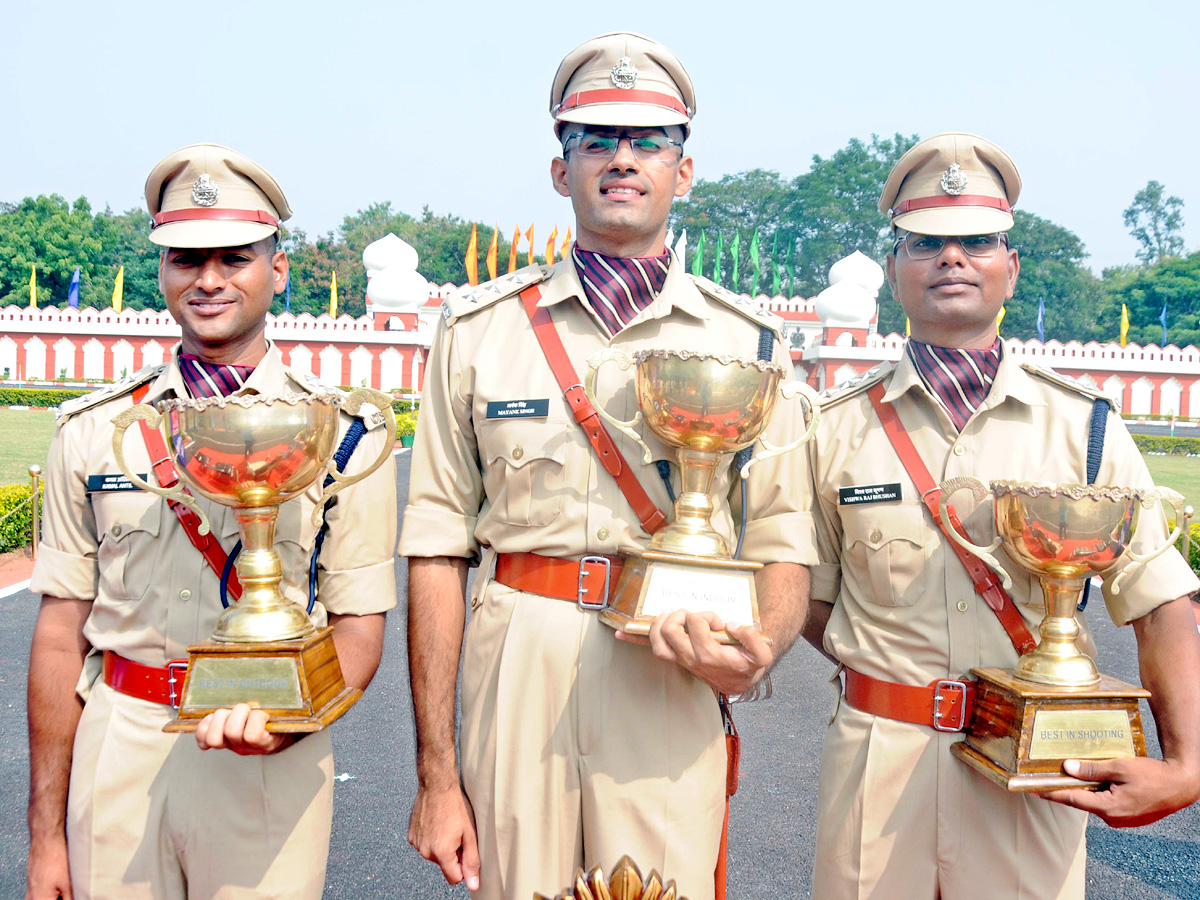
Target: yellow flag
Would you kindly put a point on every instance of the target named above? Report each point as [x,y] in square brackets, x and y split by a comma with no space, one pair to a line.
[512,250]
[491,254]
[529,237]
[472,260]
[333,298]
[1124,324]
[550,244]
[1000,318]
[566,244]
[118,298]
[33,287]
[907,327]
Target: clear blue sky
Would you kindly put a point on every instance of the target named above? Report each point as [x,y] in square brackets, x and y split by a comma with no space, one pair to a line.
[445,103]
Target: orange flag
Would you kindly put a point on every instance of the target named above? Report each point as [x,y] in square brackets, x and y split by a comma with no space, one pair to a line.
[491,254]
[566,244]
[529,237]
[512,250]
[472,259]
[550,245]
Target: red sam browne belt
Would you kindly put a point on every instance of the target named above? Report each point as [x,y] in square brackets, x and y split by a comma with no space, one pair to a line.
[945,704]
[589,582]
[156,684]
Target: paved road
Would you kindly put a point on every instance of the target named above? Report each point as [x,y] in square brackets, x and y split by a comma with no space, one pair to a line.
[772,830]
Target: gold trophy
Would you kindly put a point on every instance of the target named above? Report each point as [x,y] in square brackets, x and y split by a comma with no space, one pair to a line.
[253,453]
[704,406]
[1056,705]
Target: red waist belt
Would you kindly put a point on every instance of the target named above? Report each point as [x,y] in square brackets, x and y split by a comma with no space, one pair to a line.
[590,581]
[944,704]
[158,685]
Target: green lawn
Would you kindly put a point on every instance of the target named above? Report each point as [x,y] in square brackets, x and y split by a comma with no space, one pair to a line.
[1179,472]
[24,439]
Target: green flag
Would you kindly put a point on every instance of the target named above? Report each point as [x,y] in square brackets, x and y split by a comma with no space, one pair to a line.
[698,257]
[776,285]
[757,264]
[717,262]
[733,249]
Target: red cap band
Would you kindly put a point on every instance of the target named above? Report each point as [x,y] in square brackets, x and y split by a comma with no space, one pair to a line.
[240,215]
[908,206]
[620,95]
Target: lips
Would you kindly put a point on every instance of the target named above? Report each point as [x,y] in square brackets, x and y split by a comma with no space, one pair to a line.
[621,189]
[210,305]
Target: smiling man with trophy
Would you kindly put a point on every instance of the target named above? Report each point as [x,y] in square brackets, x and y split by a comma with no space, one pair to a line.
[914,618]
[134,584]
[579,744]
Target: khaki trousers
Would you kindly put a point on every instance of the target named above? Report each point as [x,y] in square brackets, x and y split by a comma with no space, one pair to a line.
[151,817]
[898,816]
[578,749]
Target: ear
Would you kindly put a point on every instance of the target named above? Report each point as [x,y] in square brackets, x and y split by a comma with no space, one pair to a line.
[558,176]
[683,182]
[162,261]
[891,274]
[1014,269]
[279,262]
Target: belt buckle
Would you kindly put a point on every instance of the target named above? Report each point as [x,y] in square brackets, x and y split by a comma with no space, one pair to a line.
[581,590]
[174,698]
[959,686]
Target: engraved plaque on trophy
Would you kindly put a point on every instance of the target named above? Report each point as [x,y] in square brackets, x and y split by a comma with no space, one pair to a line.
[253,453]
[1055,705]
[704,406]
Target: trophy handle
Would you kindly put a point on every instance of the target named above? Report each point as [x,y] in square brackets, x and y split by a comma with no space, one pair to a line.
[144,412]
[352,404]
[1152,499]
[790,391]
[595,361]
[980,491]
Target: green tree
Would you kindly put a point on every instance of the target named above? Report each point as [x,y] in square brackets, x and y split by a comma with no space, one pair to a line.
[1173,282]
[1052,270]
[1156,223]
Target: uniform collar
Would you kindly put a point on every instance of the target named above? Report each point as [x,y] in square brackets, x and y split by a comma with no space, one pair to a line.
[679,292]
[269,371]
[1011,382]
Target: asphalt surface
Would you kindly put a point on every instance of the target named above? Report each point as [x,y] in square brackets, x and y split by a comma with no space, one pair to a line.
[772,829]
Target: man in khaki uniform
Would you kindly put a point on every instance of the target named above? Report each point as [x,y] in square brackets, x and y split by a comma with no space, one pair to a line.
[147,814]
[898,815]
[578,747]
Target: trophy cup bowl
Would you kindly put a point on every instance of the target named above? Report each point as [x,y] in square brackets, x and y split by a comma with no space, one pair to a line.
[704,406]
[1055,704]
[252,453]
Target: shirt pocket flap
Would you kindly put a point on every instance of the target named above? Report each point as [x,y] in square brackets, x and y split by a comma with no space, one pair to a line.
[520,443]
[121,514]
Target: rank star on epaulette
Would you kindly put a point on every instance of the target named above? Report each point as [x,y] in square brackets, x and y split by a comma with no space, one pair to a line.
[446,310]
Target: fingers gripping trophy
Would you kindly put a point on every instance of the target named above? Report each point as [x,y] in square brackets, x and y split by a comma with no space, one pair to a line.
[253,453]
[703,406]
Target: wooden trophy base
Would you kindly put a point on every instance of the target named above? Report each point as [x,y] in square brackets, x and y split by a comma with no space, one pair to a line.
[1021,732]
[298,683]
[658,582]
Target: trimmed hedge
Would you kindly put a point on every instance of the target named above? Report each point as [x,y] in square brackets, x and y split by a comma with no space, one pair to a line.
[16,530]
[37,396]
[403,406]
[1171,446]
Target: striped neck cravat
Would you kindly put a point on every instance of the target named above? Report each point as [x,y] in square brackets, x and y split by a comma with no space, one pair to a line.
[205,379]
[618,289]
[960,379]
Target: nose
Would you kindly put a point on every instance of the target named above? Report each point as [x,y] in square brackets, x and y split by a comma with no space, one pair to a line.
[952,254]
[624,159]
[210,278]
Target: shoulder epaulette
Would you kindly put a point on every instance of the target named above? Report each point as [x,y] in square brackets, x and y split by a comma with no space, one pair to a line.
[108,392]
[740,303]
[855,386]
[310,383]
[473,298]
[1066,382]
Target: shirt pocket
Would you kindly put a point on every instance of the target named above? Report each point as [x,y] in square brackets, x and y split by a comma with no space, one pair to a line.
[129,523]
[887,546]
[524,469]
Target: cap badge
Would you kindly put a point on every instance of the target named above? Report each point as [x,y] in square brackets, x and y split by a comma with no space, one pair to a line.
[954,180]
[624,73]
[204,192]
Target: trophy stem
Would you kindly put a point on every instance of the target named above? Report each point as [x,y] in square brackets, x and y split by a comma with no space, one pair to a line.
[262,614]
[691,533]
[1057,660]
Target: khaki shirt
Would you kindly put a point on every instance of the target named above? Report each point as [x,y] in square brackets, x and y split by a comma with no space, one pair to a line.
[152,592]
[534,484]
[905,609]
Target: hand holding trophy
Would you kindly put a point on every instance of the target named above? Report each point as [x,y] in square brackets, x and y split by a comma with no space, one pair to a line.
[253,453]
[1055,705]
[703,406]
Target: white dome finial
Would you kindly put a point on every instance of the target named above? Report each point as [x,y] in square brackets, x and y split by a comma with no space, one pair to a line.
[393,283]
